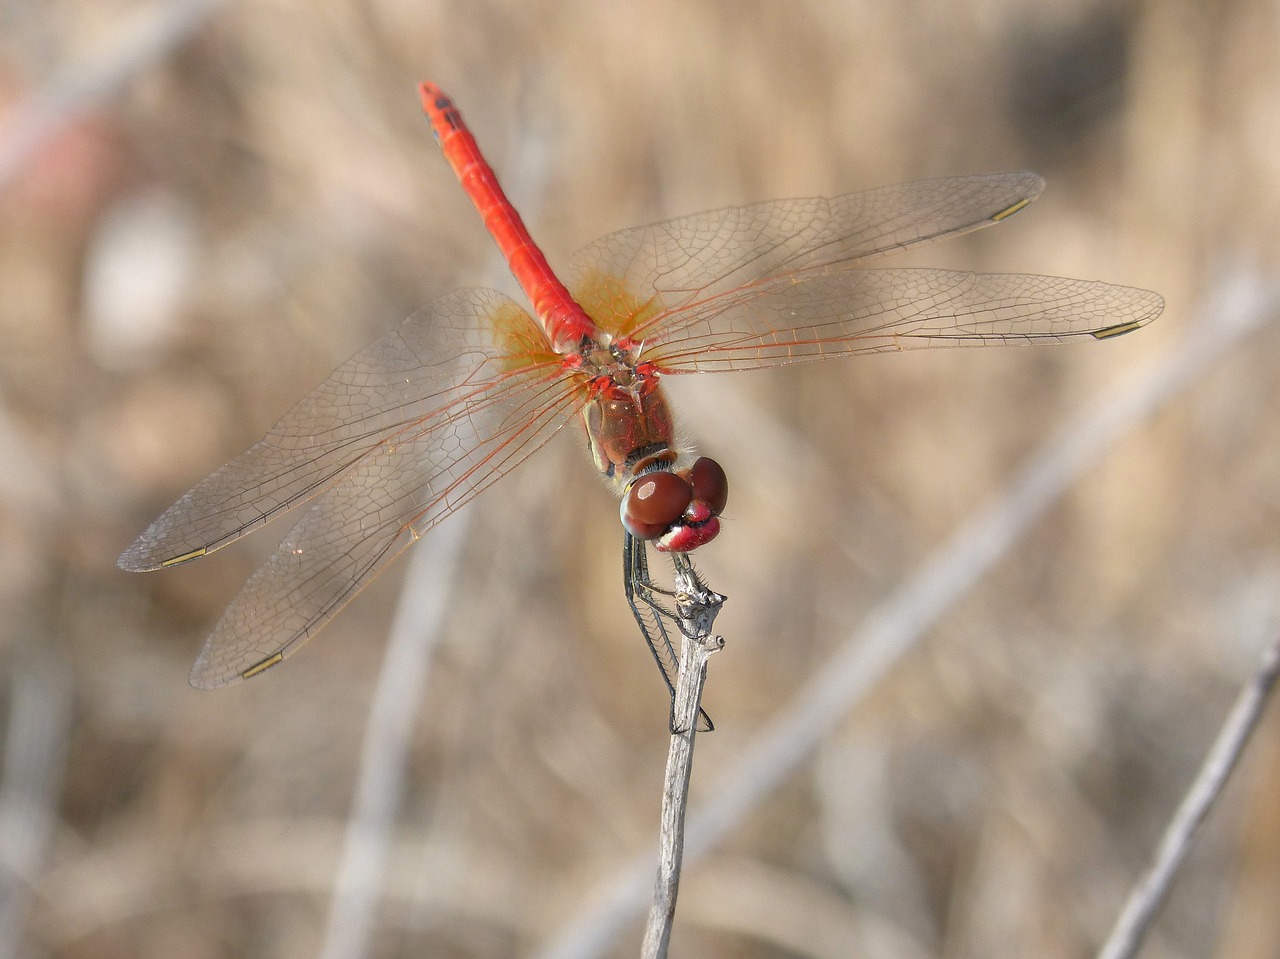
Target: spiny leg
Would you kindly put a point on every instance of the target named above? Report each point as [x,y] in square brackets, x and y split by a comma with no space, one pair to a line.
[657,620]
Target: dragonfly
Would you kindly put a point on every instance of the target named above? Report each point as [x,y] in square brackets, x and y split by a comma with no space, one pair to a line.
[416,425]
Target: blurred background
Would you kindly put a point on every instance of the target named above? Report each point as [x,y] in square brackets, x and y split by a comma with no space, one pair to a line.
[199,220]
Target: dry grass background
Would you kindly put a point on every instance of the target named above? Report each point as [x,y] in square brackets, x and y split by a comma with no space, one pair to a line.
[196,252]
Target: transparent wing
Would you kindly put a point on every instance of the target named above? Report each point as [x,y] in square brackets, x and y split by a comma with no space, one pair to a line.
[352,531]
[875,311]
[396,439]
[696,258]
[424,381]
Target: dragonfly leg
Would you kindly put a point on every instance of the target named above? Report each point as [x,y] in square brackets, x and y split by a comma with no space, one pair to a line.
[658,621]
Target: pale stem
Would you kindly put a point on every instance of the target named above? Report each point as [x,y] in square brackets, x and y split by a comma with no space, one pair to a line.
[696,609]
[1152,890]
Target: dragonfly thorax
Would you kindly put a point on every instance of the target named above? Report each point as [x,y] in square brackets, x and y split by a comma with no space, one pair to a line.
[631,437]
[627,420]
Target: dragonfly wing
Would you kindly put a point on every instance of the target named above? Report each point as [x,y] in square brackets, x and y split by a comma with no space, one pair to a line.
[420,382]
[876,311]
[377,508]
[699,257]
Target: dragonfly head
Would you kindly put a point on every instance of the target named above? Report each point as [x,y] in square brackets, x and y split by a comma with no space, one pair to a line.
[677,511]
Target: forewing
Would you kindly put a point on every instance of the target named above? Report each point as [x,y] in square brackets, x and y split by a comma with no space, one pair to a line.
[630,280]
[876,311]
[423,383]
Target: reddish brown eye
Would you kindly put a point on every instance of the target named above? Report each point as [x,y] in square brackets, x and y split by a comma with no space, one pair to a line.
[710,485]
[653,503]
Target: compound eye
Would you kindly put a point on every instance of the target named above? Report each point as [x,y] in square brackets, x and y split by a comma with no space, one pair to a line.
[654,503]
[710,484]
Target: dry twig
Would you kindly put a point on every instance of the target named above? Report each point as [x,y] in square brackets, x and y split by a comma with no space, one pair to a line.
[1152,890]
[696,609]
[397,699]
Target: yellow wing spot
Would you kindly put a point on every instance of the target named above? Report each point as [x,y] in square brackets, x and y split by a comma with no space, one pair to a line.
[194,554]
[519,339]
[1118,330]
[1010,210]
[615,309]
[262,666]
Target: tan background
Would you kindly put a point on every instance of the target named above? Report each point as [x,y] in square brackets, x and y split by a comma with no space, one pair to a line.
[193,255]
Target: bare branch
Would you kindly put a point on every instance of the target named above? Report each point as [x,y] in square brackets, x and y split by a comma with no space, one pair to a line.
[402,682]
[1152,890]
[696,608]
[36,737]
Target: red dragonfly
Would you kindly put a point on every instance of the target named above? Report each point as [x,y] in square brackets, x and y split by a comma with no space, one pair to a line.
[419,423]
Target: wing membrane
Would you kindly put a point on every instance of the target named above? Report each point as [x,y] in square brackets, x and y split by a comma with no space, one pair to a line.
[696,258]
[425,382]
[353,530]
[875,311]
[396,439]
